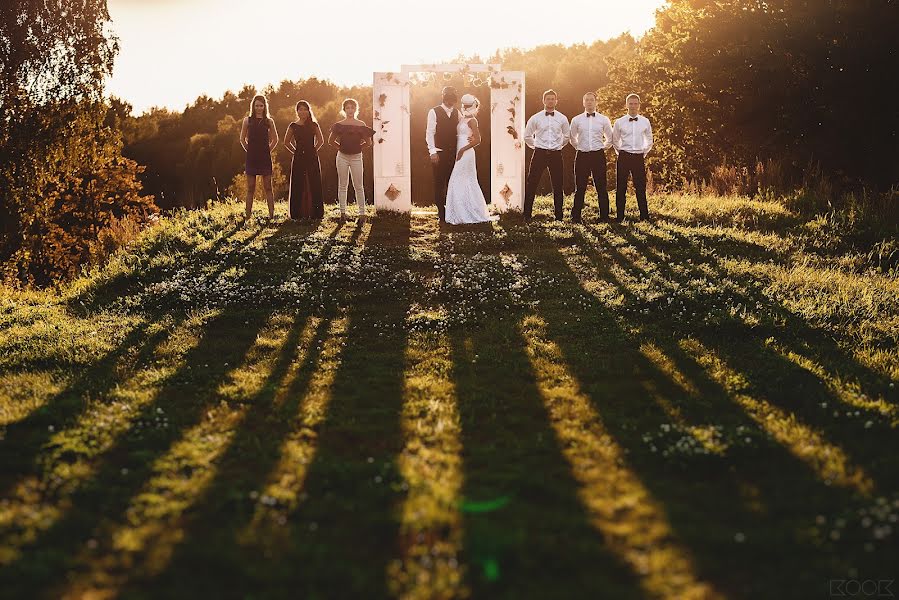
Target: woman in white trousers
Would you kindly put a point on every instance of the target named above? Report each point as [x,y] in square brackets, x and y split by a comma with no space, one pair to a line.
[350,136]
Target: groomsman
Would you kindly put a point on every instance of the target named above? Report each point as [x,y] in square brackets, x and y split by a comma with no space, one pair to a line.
[591,136]
[547,132]
[632,139]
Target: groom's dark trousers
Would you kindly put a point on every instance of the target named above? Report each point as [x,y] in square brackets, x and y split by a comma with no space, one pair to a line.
[586,164]
[539,161]
[442,171]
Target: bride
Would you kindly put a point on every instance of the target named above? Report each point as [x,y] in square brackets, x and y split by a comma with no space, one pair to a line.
[464,199]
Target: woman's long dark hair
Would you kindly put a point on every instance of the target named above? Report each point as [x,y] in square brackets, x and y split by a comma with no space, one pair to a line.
[253,107]
[309,108]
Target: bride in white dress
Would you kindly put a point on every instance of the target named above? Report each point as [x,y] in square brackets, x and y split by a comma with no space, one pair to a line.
[464,199]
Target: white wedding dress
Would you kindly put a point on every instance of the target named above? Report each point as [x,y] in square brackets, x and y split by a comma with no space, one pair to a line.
[464,199]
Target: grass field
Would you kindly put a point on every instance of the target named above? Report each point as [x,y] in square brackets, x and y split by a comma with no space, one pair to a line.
[699,407]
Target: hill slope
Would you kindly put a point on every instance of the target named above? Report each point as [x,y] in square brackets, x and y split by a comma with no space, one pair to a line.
[699,407]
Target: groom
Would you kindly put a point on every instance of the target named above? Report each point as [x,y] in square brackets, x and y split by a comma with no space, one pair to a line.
[441,138]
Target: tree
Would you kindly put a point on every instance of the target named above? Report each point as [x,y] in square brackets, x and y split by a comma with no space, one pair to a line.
[741,80]
[63,178]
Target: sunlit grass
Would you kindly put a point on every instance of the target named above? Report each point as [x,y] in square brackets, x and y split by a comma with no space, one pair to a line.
[282,492]
[74,454]
[632,521]
[143,540]
[702,406]
[430,464]
[827,460]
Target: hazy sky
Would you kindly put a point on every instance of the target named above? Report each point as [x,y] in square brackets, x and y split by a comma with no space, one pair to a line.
[175,50]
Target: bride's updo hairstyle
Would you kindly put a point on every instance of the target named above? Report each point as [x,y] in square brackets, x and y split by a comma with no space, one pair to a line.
[470,105]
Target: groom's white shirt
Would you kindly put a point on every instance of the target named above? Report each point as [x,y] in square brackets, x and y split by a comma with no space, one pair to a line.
[634,137]
[431,129]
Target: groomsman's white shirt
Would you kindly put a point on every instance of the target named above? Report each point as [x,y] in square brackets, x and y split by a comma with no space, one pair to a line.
[547,132]
[431,129]
[634,137]
[589,134]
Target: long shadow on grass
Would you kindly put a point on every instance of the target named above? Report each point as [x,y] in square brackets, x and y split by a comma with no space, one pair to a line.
[121,470]
[800,335]
[209,563]
[125,467]
[212,562]
[526,532]
[707,501]
[777,379]
[27,438]
[346,530]
[96,297]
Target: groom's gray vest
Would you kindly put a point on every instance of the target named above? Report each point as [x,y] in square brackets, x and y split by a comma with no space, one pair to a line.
[445,136]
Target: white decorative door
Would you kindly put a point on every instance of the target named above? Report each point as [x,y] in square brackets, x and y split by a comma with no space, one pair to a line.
[507,156]
[392,161]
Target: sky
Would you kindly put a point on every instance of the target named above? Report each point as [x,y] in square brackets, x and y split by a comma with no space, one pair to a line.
[173,51]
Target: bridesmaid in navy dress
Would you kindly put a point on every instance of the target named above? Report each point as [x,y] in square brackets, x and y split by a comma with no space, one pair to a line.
[303,139]
[258,136]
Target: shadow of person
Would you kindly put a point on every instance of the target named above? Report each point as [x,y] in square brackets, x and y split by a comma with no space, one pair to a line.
[343,533]
[762,350]
[526,534]
[707,502]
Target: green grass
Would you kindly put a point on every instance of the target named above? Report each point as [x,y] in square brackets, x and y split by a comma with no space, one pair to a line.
[699,407]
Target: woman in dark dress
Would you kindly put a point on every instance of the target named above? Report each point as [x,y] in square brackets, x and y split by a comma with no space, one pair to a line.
[259,137]
[303,139]
[350,136]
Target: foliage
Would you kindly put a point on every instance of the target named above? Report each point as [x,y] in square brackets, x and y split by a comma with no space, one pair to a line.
[73,203]
[67,195]
[740,81]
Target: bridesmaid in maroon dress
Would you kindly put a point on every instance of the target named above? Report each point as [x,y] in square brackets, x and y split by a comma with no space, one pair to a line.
[303,139]
[259,137]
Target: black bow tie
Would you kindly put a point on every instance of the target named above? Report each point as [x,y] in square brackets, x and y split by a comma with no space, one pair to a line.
[591,114]
[549,114]
[633,119]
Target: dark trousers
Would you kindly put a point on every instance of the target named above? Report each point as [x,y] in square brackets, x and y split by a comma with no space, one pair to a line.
[586,164]
[540,160]
[442,171]
[630,164]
